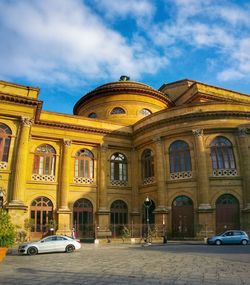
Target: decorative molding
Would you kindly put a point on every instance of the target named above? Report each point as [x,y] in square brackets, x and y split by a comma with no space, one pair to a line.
[43,178]
[181,175]
[157,140]
[67,142]
[242,132]
[118,183]
[148,180]
[104,147]
[83,180]
[197,132]
[225,172]
[3,165]
[27,122]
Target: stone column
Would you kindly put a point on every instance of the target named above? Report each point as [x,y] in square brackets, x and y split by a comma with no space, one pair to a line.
[160,211]
[64,213]
[201,170]
[103,230]
[245,163]
[19,188]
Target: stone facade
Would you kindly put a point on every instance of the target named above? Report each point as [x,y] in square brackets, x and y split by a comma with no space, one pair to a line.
[184,146]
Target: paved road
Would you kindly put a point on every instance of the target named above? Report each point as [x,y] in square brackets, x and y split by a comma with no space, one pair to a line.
[124,264]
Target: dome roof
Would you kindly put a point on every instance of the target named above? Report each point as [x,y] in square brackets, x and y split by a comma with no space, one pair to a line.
[124,85]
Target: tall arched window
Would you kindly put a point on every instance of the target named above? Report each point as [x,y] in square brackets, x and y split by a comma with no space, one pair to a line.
[117,110]
[180,160]
[222,156]
[44,160]
[84,164]
[118,167]
[147,166]
[5,136]
[118,216]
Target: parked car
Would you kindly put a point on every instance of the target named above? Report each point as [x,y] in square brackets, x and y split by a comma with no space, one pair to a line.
[229,237]
[55,243]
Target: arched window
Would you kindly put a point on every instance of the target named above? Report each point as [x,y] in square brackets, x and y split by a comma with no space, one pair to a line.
[92,115]
[84,164]
[147,164]
[117,110]
[44,160]
[118,167]
[118,217]
[145,112]
[222,154]
[179,156]
[41,212]
[5,136]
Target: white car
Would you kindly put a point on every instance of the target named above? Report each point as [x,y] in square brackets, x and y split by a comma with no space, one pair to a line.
[56,243]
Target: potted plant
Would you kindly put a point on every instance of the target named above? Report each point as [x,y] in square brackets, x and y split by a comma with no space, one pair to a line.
[7,233]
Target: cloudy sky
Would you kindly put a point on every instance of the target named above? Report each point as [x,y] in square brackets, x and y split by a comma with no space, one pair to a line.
[68,47]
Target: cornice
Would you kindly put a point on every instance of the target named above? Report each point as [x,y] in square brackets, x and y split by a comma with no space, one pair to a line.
[192,116]
[21,100]
[85,129]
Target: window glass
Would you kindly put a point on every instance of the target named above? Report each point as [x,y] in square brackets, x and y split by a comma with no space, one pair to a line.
[5,137]
[179,157]
[118,110]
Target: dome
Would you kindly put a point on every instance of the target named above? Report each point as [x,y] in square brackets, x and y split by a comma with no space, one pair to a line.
[122,94]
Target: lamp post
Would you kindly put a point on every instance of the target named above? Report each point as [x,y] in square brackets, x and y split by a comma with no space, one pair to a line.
[147,204]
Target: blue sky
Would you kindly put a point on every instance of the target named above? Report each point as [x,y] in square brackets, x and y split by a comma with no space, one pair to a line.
[69,47]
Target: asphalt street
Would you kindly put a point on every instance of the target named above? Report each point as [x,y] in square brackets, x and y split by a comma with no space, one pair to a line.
[173,263]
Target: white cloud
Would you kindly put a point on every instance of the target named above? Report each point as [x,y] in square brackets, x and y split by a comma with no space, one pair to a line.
[121,9]
[64,41]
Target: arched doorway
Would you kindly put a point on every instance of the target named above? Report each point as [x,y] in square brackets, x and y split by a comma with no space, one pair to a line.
[83,218]
[182,217]
[41,212]
[227,213]
[118,217]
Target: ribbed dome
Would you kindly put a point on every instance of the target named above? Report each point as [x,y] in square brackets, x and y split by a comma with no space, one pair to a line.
[124,85]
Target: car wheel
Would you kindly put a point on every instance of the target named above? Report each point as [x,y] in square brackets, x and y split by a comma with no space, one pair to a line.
[70,248]
[218,242]
[244,242]
[32,251]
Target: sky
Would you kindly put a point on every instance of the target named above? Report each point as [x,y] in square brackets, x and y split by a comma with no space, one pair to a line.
[69,47]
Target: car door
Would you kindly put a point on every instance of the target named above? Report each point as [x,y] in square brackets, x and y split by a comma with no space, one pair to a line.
[47,244]
[236,238]
[61,243]
[227,237]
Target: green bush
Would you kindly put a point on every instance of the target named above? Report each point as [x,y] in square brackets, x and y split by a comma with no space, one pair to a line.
[7,230]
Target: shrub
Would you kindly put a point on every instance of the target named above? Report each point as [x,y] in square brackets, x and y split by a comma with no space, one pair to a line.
[7,230]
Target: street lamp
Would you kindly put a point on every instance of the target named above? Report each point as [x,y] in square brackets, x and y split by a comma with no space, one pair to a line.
[147,205]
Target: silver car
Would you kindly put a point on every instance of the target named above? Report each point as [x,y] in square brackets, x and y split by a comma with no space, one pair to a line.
[229,237]
[55,243]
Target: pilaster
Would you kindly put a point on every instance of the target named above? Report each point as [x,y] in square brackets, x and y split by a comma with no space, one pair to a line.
[18,193]
[64,213]
[202,171]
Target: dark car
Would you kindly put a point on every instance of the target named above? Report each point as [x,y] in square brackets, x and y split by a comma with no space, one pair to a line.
[229,237]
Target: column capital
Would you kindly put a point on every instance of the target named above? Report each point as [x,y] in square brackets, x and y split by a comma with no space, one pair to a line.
[157,140]
[104,147]
[27,121]
[242,132]
[198,132]
[67,142]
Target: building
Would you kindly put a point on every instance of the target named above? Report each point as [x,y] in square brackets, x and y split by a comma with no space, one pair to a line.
[185,147]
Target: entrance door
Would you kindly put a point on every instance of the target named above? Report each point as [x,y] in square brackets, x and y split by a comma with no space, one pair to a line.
[227,213]
[83,218]
[41,212]
[118,217]
[182,217]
